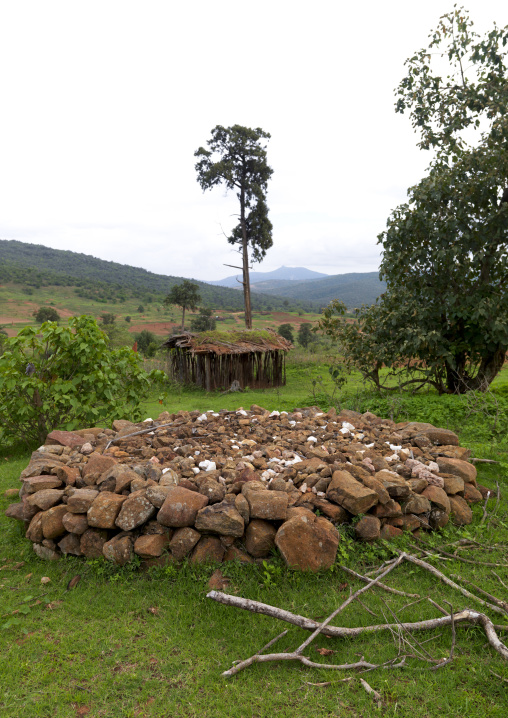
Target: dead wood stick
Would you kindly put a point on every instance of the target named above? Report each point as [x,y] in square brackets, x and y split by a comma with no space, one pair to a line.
[365,579]
[429,657]
[347,602]
[376,696]
[452,584]
[464,560]
[466,616]
[483,461]
[366,608]
[498,499]
[500,581]
[274,640]
[497,601]
[439,608]
[452,647]
[500,677]
[485,508]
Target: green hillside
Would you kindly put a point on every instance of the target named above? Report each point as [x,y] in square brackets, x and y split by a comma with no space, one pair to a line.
[353,289]
[34,266]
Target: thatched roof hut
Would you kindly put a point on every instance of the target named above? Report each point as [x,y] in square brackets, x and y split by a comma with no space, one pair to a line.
[214,360]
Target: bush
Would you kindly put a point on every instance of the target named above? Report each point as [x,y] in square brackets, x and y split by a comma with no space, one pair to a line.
[46,314]
[66,377]
[148,342]
[286,331]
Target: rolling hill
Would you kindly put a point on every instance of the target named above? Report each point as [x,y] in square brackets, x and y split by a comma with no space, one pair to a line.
[282,273]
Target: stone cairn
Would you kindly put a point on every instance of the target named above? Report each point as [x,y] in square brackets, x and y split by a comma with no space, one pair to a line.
[235,484]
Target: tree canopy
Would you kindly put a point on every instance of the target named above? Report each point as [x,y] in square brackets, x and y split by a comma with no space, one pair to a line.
[184,295]
[444,315]
[236,158]
[46,314]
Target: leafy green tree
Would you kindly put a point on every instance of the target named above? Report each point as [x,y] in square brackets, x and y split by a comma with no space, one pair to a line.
[305,335]
[147,342]
[141,309]
[128,319]
[445,261]
[286,331]
[107,318]
[204,322]
[66,377]
[184,295]
[3,338]
[237,159]
[46,314]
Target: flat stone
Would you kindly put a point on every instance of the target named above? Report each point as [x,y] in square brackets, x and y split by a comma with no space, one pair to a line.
[461,513]
[68,474]
[220,518]
[183,541]
[389,510]
[307,544]
[65,438]
[75,523]
[45,499]
[17,511]
[52,525]
[260,538]
[70,544]
[208,550]
[372,483]
[334,512]
[96,466]
[118,550]
[268,505]
[151,545]
[453,485]
[45,553]
[463,469]
[104,510]
[41,483]
[233,553]
[136,510]
[350,493]
[389,532]
[80,501]
[181,507]
[92,541]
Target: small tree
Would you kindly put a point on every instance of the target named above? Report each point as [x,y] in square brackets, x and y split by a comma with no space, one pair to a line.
[204,322]
[66,377]
[304,335]
[141,309]
[286,331]
[185,295]
[46,314]
[237,159]
[147,342]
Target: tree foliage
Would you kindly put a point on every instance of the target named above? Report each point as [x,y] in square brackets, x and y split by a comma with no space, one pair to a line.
[237,159]
[46,314]
[147,342]
[305,335]
[66,377]
[286,331]
[204,322]
[184,295]
[444,314]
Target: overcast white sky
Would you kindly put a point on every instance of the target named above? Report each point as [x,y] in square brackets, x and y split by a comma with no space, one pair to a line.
[103,104]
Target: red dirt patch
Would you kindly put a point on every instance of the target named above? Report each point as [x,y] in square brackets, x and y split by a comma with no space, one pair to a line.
[159,328]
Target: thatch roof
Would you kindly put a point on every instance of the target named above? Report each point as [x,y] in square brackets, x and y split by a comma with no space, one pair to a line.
[243,341]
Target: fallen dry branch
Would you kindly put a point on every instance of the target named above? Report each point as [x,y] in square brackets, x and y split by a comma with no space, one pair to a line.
[375,695]
[502,604]
[365,579]
[460,558]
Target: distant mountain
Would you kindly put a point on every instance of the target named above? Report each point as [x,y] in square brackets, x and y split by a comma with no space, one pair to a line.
[293,274]
[33,265]
[353,289]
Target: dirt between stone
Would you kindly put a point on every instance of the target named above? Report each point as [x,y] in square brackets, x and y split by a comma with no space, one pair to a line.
[235,485]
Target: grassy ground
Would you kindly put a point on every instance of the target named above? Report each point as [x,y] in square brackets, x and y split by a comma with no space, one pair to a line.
[124,643]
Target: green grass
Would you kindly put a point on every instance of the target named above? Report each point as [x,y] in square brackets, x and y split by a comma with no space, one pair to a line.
[124,643]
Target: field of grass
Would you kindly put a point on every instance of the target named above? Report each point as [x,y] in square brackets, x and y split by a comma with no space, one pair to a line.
[123,643]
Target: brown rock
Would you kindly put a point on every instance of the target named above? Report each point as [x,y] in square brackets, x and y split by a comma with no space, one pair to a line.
[40,483]
[214,491]
[461,514]
[65,438]
[308,545]
[438,497]
[136,510]
[169,478]
[70,544]
[368,528]
[410,522]
[453,484]
[18,512]
[45,553]
[260,538]
[96,466]
[268,505]
[350,494]
[183,541]
[156,495]
[151,545]
[34,531]
[335,513]
[208,550]
[220,518]
[118,549]
[92,541]
[80,501]
[389,510]
[441,436]
[416,504]
[217,581]
[389,532]
[471,494]
[181,507]
[75,523]
[486,492]
[69,475]
[104,510]
[457,467]
[372,483]
[233,553]
[52,525]
[438,518]
[242,506]
[45,499]
[10,493]
[417,485]
[396,486]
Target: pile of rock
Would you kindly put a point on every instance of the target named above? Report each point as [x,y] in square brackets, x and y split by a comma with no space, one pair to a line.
[234,485]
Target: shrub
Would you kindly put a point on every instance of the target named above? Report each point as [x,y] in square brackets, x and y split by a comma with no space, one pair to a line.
[66,377]
[46,314]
